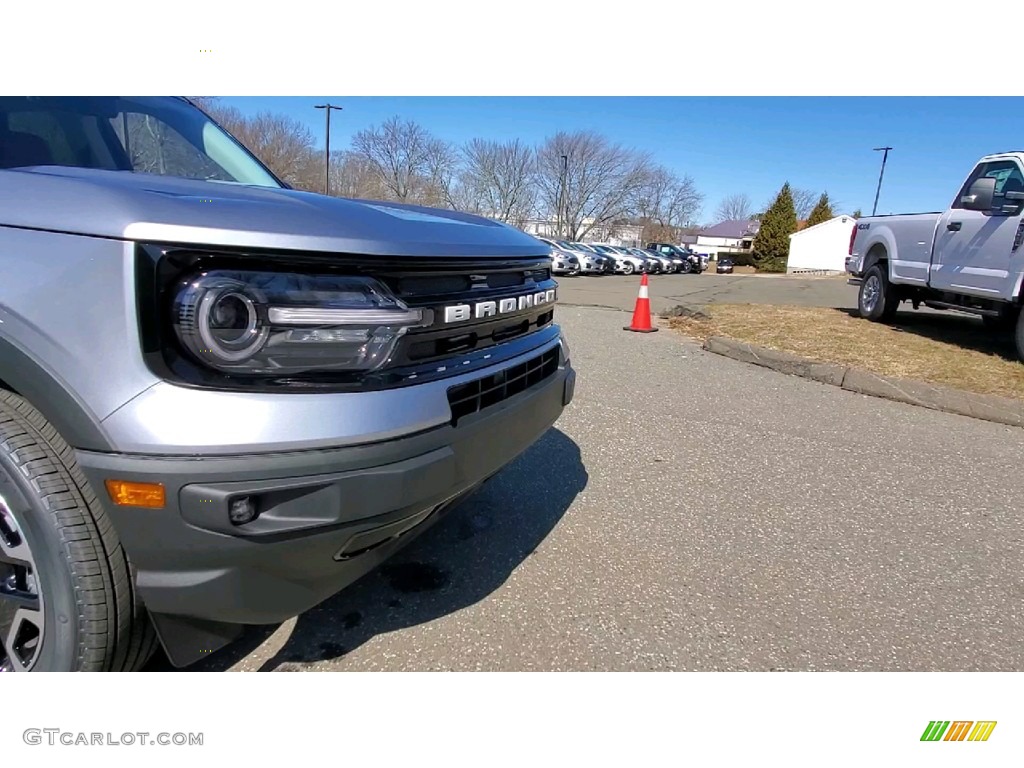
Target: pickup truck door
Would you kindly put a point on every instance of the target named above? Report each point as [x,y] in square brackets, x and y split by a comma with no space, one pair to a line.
[975,251]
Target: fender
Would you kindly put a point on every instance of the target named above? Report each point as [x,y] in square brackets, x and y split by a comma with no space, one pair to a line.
[28,378]
[880,238]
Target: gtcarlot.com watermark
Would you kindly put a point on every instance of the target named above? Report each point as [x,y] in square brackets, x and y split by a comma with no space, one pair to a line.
[56,737]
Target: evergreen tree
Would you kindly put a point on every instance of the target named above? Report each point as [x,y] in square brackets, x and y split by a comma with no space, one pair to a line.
[857,214]
[771,244]
[822,211]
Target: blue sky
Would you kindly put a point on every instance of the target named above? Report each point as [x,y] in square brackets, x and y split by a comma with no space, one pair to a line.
[728,145]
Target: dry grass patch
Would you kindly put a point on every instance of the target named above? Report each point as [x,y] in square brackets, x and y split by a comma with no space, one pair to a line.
[948,349]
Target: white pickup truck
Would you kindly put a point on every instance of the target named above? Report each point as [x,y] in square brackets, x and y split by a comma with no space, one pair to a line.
[967,258]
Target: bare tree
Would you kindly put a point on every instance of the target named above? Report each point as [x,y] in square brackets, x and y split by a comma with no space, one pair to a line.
[437,187]
[399,151]
[734,208]
[684,203]
[500,179]
[353,176]
[600,180]
[285,145]
[804,201]
[648,199]
[665,203]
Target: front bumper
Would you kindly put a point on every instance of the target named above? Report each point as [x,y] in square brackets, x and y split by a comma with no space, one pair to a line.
[328,516]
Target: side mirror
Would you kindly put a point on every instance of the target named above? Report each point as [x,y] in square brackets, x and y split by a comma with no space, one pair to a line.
[979,196]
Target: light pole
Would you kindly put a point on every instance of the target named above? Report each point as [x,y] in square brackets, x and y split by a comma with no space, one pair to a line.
[327,150]
[561,196]
[885,156]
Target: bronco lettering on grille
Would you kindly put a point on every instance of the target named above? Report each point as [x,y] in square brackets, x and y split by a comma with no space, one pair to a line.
[458,313]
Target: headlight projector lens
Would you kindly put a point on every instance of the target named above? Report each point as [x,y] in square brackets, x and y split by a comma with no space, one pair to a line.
[278,323]
[228,324]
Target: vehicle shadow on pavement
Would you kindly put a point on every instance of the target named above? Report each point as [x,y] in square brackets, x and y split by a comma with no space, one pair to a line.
[952,328]
[459,561]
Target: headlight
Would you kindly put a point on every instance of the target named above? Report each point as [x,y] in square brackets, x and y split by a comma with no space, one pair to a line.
[282,323]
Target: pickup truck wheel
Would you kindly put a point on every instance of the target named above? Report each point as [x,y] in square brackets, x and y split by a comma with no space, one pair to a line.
[686,267]
[876,299]
[1004,322]
[67,601]
[1018,335]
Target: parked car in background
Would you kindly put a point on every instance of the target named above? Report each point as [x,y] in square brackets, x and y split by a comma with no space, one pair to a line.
[592,261]
[665,264]
[563,262]
[724,266]
[686,261]
[967,258]
[624,263]
[650,266]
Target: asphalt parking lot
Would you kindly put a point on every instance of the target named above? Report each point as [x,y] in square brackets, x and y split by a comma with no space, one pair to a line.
[689,512]
[667,291]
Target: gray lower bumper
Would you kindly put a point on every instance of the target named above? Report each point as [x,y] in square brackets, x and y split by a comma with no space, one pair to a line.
[327,516]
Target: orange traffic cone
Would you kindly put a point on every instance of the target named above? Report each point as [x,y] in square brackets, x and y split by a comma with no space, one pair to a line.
[642,311]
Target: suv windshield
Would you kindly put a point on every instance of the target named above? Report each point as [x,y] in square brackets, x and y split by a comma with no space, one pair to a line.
[159,135]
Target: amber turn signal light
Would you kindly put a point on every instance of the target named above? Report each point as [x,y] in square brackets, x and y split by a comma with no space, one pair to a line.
[128,494]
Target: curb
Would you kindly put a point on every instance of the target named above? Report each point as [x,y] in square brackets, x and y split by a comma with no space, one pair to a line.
[1002,410]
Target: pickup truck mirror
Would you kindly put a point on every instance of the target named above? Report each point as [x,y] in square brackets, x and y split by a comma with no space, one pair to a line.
[979,196]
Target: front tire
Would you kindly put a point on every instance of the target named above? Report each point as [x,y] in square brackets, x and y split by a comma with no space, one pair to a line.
[67,602]
[1005,322]
[1018,335]
[877,300]
[686,268]
[628,268]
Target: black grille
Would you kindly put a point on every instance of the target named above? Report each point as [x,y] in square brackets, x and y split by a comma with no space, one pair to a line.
[438,344]
[466,282]
[477,395]
[470,277]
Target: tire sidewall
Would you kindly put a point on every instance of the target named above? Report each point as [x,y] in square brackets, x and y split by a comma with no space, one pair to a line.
[883,297]
[59,650]
[1018,336]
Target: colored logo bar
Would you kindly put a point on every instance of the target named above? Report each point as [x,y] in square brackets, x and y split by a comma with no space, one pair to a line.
[958,730]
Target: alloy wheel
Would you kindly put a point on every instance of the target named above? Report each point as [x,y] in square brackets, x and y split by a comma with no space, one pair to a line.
[870,294]
[21,600]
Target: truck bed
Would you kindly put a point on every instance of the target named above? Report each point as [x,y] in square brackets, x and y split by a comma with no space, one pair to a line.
[906,237]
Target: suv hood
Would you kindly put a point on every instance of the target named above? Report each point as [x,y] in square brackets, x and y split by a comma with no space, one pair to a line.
[150,208]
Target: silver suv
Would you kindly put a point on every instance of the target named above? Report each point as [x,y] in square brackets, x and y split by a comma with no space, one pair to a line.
[563,261]
[222,400]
